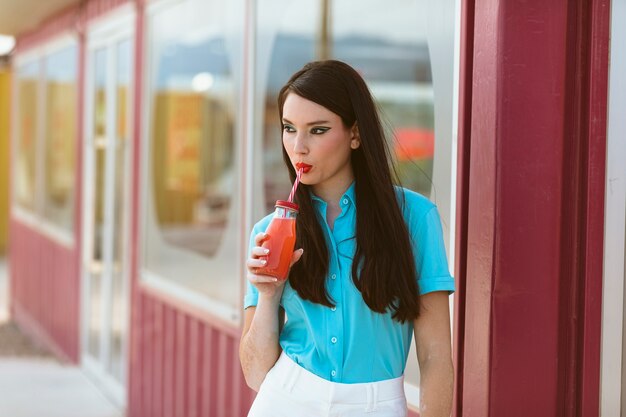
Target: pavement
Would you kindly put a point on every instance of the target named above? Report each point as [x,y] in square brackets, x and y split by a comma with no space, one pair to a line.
[33,383]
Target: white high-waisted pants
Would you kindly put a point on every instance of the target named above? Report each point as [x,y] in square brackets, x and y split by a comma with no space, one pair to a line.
[291,391]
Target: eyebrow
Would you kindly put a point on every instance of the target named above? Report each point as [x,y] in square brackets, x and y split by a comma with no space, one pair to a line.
[317,122]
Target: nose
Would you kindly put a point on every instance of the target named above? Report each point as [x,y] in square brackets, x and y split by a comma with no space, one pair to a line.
[299,145]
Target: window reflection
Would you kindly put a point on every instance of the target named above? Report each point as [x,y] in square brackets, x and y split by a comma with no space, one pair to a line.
[391,45]
[24,182]
[60,137]
[192,147]
[385,43]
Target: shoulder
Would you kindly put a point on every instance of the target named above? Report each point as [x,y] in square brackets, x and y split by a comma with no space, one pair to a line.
[261,225]
[414,206]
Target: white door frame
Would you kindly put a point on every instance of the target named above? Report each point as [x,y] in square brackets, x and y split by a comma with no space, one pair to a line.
[613,313]
[106,32]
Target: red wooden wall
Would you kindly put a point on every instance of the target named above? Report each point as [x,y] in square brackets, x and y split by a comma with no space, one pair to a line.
[185,366]
[45,290]
[533,136]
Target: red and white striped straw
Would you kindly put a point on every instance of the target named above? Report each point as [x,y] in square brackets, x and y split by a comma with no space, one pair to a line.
[295,185]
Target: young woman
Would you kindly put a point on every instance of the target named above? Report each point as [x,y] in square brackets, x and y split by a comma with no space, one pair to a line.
[369,271]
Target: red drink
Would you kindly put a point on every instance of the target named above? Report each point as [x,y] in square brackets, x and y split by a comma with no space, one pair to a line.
[280,241]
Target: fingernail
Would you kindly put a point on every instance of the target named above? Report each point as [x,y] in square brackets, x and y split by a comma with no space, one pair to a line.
[266,251]
[301,251]
[275,279]
[263,261]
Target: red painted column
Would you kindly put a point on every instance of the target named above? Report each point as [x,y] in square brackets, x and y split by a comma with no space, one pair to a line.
[530,248]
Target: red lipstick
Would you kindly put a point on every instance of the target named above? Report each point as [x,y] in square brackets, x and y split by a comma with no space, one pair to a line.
[305,167]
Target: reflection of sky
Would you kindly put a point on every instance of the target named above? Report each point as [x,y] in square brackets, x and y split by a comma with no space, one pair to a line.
[377,58]
[394,21]
[29,70]
[186,60]
[100,67]
[123,62]
[61,66]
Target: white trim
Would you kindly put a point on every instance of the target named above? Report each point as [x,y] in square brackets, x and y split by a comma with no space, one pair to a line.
[247,137]
[197,300]
[612,350]
[108,199]
[120,20]
[107,34]
[156,6]
[127,214]
[46,228]
[107,385]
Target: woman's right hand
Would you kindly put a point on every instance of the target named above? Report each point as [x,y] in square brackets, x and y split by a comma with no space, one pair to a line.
[267,285]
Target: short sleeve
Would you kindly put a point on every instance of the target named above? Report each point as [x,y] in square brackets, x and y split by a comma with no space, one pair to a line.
[430,255]
[252,294]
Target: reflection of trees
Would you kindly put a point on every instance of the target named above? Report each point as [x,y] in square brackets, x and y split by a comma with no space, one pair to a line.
[397,70]
[324,46]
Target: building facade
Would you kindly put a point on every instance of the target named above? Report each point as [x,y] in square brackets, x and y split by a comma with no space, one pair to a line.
[146,143]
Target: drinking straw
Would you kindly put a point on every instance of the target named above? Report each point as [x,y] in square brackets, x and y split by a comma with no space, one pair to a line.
[295,185]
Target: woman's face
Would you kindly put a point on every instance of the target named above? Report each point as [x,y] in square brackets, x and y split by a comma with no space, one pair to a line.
[315,136]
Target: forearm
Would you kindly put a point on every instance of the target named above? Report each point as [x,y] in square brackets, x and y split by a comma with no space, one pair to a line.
[436,386]
[259,348]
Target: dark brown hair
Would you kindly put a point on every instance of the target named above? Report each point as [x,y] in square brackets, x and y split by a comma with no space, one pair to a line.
[383,267]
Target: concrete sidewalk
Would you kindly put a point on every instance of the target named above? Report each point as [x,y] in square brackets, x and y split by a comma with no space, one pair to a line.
[37,385]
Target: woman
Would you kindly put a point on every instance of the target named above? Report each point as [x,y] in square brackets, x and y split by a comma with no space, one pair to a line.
[369,272]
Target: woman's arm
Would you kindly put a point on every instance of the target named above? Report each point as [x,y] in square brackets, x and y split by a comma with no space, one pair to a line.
[434,353]
[259,348]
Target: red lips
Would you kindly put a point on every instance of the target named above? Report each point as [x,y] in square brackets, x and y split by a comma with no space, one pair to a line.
[305,167]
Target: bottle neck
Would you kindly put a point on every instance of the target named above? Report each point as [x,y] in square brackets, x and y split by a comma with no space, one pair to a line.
[285,213]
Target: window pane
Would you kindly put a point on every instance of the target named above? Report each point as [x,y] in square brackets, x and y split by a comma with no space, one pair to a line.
[99,158]
[60,137]
[118,322]
[24,183]
[190,230]
[404,50]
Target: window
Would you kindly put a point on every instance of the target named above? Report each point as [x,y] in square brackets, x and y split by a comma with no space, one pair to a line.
[405,51]
[60,137]
[46,137]
[27,78]
[191,205]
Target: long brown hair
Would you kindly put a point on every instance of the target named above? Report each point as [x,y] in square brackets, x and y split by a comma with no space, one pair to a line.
[383,267]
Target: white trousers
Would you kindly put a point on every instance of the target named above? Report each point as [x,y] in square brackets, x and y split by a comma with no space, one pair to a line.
[289,390]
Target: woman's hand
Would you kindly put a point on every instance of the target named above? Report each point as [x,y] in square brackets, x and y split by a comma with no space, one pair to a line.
[267,285]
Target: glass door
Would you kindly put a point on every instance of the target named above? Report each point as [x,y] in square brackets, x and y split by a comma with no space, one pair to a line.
[105,215]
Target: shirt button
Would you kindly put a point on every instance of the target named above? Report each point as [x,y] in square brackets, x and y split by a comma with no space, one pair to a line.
[333,308]
[345,201]
[333,373]
[334,340]
[333,276]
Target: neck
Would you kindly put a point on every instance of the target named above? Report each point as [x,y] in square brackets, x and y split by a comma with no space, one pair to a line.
[332,190]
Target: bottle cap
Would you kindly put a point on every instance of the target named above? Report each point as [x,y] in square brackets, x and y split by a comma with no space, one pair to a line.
[287,205]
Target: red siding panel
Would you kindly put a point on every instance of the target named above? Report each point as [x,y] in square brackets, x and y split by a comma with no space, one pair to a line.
[43,296]
[190,368]
[534,233]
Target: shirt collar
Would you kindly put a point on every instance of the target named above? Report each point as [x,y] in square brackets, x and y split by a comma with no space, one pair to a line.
[348,195]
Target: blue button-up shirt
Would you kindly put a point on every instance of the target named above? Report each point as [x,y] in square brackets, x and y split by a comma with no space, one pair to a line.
[350,343]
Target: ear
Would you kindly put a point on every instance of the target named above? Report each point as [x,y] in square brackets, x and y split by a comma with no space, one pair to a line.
[355,141]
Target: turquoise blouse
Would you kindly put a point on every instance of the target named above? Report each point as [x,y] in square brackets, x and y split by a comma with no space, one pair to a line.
[350,343]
